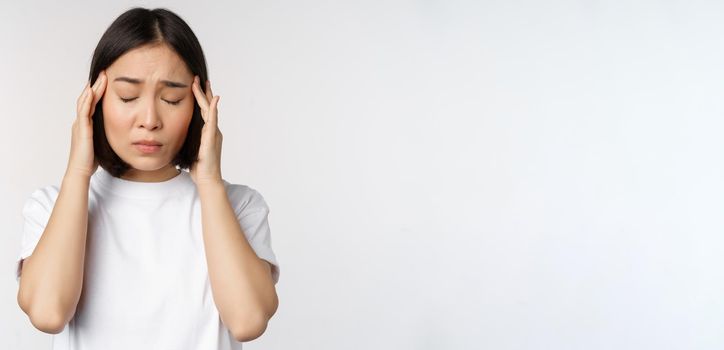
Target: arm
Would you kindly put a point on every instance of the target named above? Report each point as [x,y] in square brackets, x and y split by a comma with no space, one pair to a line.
[52,277]
[241,282]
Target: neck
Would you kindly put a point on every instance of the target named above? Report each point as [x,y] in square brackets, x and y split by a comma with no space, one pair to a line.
[166,173]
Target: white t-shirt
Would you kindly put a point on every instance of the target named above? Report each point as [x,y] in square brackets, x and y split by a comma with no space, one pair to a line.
[146,283]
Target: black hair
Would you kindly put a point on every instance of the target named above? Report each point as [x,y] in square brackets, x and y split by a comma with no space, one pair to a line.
[132,29]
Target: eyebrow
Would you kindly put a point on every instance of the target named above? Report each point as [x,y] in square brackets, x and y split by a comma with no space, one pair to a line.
[168,83]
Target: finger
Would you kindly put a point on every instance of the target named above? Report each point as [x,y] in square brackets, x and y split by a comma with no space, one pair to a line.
[200,97]
[80,97]
[81,100]
[100,88]
[85,107]
[100,82]
[97,82]
[209,94]
[213,110]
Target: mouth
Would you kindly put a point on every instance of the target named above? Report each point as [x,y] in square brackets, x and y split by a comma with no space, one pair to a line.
[147,148]
[148,143]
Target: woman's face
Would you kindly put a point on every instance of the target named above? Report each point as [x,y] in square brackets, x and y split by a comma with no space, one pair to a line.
[148,98]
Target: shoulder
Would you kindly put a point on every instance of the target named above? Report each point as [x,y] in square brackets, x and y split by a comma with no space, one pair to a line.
[245,199]
[42,198]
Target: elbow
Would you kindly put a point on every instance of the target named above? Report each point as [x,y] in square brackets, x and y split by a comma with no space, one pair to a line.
[253,328]
[23,301]
[48,322]
[44,321]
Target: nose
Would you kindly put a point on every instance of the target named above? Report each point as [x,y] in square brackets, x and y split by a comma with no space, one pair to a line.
[150,119]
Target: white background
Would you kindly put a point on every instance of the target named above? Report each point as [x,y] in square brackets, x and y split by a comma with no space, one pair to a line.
[441,174]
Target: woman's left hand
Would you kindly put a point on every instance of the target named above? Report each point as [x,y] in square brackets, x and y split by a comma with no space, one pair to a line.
[208,167]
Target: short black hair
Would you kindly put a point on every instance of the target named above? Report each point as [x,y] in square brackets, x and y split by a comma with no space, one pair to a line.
[140,27]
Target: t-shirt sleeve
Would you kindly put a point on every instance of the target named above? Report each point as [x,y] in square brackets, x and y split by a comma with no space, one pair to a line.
[252,212]
[36,212]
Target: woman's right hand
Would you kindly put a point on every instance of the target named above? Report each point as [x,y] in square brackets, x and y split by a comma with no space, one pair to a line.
[82,158]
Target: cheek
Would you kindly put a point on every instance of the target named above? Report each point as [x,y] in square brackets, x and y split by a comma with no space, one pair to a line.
[179,123]
[112,114]
[181,115]
[116,123]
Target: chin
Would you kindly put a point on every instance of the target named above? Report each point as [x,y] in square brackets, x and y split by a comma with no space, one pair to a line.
[148,163]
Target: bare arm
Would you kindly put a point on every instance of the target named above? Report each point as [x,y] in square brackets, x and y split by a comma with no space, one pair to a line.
[52,277]
[241,282]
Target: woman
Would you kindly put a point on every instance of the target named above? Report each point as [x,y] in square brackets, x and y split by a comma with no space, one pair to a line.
[139,253]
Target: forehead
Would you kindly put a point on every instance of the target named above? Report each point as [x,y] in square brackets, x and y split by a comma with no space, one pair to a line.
[150,62]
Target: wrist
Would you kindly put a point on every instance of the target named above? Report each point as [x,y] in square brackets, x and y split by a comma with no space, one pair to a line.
[209,184]
[76,175]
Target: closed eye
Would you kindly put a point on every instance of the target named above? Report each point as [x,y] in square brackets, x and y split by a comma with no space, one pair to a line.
[126,100]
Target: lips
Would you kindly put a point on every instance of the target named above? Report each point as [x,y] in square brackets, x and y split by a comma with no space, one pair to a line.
[147,143]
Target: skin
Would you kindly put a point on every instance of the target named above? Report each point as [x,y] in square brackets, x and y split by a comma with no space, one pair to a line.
[242,285]
[151,114]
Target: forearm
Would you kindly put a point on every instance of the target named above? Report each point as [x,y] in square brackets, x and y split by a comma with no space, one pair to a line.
[52,277]
[242,286]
